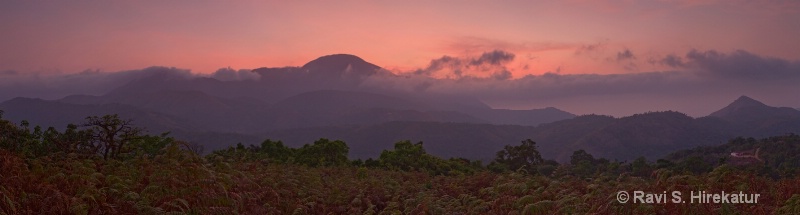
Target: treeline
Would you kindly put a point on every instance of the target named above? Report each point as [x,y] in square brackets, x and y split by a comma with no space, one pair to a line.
[780,158]
[109,137]
[106,166]
[777,157]
[106,137]
[405,156]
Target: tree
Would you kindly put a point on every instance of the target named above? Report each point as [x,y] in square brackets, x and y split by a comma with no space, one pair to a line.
[640,167]
[579,156]
[323,153]
[110,134]
[409,156]
[32,143]
[11,135]
[405,156]
[583,163]
[695,164]
[524,156]
[152,145]
[276,151]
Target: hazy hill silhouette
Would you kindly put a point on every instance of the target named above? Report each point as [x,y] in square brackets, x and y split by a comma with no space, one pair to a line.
[754,118]
[322,99]
[59,115]
[340,65]
[530,117]
[473,141]
[652,135]
[215,113]
[748,110]
[335,100]
[320,93]
[333,107]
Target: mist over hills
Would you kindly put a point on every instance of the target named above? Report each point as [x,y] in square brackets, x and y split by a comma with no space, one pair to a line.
[58,114]
[336,97]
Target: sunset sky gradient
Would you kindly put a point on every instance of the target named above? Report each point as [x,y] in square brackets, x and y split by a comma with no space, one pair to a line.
[605,57]
[566,37]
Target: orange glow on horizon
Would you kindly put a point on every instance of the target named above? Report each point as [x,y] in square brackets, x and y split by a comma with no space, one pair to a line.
[568,37]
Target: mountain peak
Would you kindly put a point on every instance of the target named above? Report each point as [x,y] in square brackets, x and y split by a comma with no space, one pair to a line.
[744,101]
[746,109]
[341,64]
[337,58]
[737,106]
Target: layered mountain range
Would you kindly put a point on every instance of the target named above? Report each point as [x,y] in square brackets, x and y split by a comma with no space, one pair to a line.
[329,98]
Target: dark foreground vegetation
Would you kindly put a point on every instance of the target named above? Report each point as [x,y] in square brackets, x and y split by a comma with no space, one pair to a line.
[107,166]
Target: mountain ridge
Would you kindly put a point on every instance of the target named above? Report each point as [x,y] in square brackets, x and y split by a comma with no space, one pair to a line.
[744,105]
[340,63]
[650,134]
[322,99]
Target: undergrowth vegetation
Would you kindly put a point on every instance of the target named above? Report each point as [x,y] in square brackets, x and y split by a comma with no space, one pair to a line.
[159,175]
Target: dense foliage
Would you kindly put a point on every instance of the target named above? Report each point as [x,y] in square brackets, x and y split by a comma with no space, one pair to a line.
[49,172]
[778,156]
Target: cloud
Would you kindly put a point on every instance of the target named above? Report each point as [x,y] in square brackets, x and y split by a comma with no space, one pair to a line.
[625,55]
[88,82]
[422,86]
[496,57]
[488,65]
[741,64]
[692,83]
[590,48]
[626,58]
[672,60]
[702,75]
[229,74]
[738,65]
[473,45]
[8,72]
[443,62]
[502,75]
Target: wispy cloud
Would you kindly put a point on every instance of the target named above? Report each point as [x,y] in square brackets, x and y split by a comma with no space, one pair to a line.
[739,64]
[490,64]
[50,85]
[471,45]
[697,75]
[625,55]
[230,74]
[695,79]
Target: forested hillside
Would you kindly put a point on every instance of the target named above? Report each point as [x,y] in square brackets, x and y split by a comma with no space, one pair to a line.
[105,164]
[446,133]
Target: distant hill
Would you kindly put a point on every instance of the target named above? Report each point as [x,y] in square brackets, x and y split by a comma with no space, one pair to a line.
[371,122]
[531,117]
[215,113]
[754,118]
[324,99]
[337,100]
[59,115]
[652,135]
[340,65]
[781,153]
[473,141]
[655,134]
[323,92]
[748,110]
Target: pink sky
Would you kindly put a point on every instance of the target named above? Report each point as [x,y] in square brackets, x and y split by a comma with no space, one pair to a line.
[546,36]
